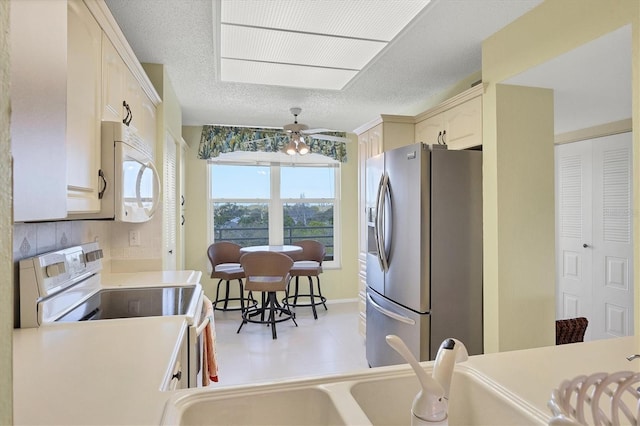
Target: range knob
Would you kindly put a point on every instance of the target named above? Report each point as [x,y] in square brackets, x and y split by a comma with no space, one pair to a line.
[92,256]
[55,269]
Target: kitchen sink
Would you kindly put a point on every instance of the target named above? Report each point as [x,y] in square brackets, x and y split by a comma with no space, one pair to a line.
[376,397]
[473,401]
[114,303]
[297,406]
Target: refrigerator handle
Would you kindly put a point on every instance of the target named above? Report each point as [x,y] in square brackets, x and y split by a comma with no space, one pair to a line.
[389,313]
[378,223]
[384,218]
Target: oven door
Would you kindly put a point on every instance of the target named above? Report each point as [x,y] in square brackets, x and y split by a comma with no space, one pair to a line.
[195,343]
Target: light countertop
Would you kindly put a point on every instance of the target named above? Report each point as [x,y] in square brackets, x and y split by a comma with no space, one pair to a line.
[111,372]
[533,373]
[97,372]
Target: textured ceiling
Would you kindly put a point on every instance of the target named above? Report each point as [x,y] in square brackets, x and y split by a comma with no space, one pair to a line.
[438,49]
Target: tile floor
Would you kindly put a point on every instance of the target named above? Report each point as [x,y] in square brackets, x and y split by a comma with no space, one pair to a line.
[331,344]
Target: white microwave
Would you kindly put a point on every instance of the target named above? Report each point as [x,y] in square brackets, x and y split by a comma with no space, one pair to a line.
[130,190]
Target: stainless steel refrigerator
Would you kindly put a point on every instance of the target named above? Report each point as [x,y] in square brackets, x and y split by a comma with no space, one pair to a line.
[424,250]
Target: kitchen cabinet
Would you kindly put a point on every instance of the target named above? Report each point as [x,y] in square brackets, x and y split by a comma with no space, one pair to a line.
[179,374]
[114,75]
[83,109]
[39,109]
[123,98]
[456,122]
[385,133]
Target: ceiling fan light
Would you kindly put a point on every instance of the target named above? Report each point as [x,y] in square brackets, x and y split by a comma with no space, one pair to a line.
[302,148]
[291,148]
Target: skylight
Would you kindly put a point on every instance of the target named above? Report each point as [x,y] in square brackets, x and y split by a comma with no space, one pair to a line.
[316,44]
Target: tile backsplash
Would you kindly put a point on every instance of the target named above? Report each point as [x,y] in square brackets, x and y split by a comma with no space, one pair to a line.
[31,239]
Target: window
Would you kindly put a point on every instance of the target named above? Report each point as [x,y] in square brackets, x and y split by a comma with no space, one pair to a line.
[255,204]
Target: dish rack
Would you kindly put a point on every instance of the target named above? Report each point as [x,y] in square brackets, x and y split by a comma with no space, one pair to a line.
[609,399]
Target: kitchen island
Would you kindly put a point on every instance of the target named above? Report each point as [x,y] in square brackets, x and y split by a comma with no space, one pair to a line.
[112,372]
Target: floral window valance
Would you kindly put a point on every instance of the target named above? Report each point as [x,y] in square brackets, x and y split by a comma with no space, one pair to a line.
[216,140]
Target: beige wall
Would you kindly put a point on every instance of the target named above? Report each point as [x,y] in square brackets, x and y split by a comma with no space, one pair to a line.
[553,28]
[336,284]
[6,222]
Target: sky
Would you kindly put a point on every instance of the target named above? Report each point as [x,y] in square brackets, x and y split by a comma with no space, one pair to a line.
[253,182]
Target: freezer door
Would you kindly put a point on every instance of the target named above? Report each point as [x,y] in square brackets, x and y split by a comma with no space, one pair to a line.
[385,317]
[407,280]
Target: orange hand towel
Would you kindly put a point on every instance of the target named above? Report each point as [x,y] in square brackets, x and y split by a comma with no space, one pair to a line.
[209,363]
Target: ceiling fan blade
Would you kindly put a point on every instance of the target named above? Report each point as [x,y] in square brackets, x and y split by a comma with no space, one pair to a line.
[313,131]
[329,138]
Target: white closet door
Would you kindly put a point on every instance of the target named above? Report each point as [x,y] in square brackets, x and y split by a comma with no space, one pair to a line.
[612,237]
[594,242]
[573,231]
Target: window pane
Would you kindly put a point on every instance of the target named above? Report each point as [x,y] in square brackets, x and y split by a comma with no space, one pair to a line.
[240,181]
[246,224]
[309,221]
[307,182]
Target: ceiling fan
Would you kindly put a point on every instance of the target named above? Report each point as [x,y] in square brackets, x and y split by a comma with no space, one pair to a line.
[297,132]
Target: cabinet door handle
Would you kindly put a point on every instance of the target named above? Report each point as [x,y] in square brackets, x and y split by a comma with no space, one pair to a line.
[104,184]
[182,222]
[182,200]
[127,119]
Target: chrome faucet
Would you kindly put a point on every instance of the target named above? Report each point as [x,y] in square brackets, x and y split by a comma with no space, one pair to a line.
[632,357]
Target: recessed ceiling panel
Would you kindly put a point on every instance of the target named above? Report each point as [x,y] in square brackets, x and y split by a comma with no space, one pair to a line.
[240,71]
[294,48]
[368,19]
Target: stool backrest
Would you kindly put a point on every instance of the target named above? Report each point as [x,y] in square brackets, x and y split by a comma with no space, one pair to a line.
[223,252]
[266,270]
[311,250]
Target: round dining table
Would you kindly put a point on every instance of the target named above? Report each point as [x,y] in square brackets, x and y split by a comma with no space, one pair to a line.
[286,249]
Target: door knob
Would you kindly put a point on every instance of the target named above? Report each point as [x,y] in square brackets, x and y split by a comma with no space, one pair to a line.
[585,245]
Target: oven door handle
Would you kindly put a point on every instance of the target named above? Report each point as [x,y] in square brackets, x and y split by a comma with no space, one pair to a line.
[200,328]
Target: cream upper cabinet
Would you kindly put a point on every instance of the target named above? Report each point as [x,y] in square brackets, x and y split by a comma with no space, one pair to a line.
[83,109]
[132,96]
[114,77]
[123,98]
[463,124]
[456,122]
[38,109]
[429,131]
[146,120]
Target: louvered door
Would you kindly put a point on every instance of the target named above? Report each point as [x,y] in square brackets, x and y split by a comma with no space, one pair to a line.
[612,237]
[574,292]
[593,234]
[170,208]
